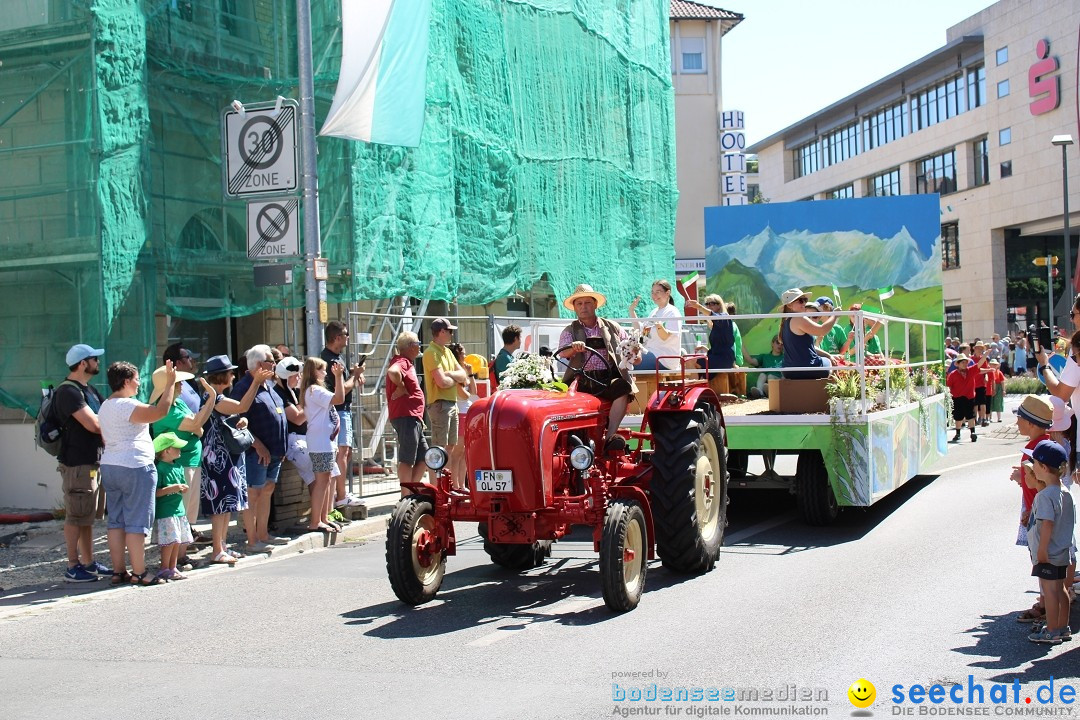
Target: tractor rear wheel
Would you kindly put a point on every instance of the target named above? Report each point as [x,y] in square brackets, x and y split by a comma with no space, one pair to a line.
[515,556]
[689,486]
[623,563]
[415,570]
[813,493]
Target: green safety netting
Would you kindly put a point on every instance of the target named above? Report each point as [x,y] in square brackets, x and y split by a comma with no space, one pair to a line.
[548,150]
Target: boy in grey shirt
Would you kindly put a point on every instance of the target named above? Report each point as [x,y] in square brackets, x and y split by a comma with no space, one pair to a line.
[1050,539]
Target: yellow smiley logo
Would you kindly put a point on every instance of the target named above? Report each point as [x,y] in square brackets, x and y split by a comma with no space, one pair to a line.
[862,693]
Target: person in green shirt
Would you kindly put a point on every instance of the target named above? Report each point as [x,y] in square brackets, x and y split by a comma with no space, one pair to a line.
[773,359]
[171,525]
[511,337]
[837,336]
[871,345]
[738,380]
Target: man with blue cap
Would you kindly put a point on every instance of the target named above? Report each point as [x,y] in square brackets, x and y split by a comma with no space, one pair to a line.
[75,405]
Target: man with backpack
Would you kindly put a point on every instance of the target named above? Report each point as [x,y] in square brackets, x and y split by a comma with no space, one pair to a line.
[74,406]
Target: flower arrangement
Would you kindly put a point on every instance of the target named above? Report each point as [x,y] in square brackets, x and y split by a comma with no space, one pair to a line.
[533,372]
[629,352]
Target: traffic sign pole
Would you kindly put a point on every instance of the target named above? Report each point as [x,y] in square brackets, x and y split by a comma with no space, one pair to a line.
[313,289]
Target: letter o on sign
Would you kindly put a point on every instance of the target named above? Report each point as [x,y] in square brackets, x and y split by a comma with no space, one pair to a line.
[732,141]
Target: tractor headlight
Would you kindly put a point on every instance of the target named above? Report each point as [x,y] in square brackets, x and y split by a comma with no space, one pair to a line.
[436,458]
[581,458]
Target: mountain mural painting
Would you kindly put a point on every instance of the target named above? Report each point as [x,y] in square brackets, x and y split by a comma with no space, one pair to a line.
[755,252]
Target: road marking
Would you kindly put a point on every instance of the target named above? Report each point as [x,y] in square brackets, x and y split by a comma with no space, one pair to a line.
[759,528]
[977,462]
[566,607]
[500,634]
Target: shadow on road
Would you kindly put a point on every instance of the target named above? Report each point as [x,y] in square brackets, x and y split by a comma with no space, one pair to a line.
[565,590]
[749,507]
[1004,640]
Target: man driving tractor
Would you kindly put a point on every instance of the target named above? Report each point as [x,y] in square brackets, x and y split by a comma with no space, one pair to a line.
[596,378]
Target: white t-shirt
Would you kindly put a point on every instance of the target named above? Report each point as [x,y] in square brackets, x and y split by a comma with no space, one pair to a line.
[671,346]
[317,401]
[127,444]
[1070,375]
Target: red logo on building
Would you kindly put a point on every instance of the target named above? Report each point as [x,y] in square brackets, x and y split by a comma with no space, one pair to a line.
[1042,85]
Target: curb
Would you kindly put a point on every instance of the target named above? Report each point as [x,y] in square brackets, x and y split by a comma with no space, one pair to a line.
[373,525]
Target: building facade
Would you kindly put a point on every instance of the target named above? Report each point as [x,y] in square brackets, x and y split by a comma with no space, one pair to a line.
[973,122]
[697,32]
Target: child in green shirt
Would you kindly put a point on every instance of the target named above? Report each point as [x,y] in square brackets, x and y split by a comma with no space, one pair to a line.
[173,530]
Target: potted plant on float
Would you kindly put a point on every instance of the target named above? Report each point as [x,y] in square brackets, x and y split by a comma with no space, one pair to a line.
[844,393]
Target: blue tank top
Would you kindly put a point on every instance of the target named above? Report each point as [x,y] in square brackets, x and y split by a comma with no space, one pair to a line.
[799,352]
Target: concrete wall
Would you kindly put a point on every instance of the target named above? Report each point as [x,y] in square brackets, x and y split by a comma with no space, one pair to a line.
[697,102]
[29,478]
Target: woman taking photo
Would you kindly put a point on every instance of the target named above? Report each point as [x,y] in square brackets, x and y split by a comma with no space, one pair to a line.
[798,334]
[318,405]
[128,475]
[224,482]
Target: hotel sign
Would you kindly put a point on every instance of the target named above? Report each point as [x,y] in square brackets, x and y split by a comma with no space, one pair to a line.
[732,158]
[1044,86]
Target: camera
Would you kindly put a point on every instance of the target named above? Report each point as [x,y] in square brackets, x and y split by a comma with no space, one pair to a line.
[1040,340]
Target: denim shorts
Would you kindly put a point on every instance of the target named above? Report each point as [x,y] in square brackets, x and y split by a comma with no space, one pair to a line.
[129,493]
[344,436]
[259,474]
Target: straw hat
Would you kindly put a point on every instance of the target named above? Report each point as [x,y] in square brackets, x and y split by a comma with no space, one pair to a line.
[1037,411]
[159,381]
[581,291]
[790,296]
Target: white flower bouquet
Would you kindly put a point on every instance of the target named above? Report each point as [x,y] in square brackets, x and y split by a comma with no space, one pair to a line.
[533,372]
[629,352]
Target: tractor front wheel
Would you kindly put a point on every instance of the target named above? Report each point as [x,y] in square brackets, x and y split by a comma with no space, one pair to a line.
[813,493]
[414,557]
[688,492]
[623,564]
[515,556]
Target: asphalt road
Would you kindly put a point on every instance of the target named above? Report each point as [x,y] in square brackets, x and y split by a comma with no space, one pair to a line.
[922,588]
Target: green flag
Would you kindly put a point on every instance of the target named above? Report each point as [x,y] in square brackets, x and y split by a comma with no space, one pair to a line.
[885,293]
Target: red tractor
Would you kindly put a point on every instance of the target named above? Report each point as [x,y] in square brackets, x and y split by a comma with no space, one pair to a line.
[534,472]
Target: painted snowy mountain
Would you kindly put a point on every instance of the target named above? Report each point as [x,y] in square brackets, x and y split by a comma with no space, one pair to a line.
[852,258]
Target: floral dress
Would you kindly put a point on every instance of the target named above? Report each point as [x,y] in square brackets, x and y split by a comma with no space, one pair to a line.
[224,480]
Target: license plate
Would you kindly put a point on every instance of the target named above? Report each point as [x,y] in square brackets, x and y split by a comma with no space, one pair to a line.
[494,481]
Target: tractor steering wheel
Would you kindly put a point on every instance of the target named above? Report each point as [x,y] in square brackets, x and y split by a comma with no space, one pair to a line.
[612,370]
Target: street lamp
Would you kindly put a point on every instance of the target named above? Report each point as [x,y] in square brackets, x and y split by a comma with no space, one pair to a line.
[1070,290]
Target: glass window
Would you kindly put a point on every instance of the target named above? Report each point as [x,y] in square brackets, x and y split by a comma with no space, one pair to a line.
[954,324]
[946,99]
[1006,169]
[980,152]
[840,193]
[936,174]
[1003,55]
[950,246]
[693,55]
[1003,88]
[884,185]
[976,87]
[1004,136]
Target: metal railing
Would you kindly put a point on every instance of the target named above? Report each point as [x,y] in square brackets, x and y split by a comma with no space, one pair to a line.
[480,334]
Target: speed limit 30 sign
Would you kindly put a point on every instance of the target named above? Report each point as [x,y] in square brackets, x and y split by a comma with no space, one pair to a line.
[260,150]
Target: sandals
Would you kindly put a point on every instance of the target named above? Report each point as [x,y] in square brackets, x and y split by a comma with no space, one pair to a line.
[1031,615]
[139,579]
[223,558]
[120,578]
[174,574]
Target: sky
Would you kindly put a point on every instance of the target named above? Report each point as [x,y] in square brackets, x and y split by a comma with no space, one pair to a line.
[790,58]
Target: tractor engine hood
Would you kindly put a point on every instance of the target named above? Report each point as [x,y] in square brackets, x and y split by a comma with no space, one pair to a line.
[512,430]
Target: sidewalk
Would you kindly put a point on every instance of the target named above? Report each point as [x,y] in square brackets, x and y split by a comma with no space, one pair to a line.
[33,556]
